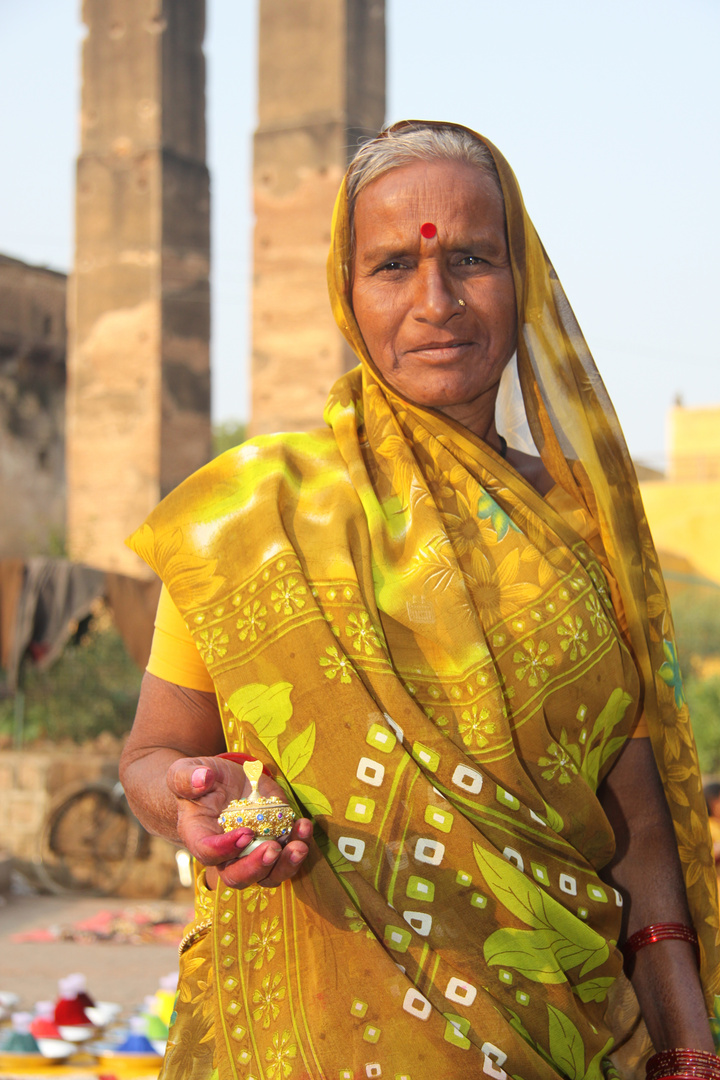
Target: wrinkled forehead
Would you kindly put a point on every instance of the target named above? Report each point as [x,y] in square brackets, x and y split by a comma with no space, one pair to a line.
[430,178]
[451,196]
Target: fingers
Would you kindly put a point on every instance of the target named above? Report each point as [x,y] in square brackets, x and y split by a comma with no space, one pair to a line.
[212,848]
[286,866]
[203,787]
[270,864]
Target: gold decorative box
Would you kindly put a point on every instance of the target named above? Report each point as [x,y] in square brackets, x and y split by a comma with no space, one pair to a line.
[269,817]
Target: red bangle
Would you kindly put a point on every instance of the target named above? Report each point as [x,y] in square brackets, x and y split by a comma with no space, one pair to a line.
[670,1064]
[240,759]
[649,935]
[689,1076]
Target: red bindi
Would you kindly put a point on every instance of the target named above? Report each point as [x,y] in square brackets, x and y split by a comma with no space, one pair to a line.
[428,230]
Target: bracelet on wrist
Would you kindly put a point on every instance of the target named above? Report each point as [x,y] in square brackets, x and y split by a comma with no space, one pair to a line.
[681,1076]
[684,1076]
[684,1064]
[240,759]
[650,935]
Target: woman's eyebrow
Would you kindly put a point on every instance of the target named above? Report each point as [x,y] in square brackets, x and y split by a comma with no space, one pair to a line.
[478,241]
[384,254]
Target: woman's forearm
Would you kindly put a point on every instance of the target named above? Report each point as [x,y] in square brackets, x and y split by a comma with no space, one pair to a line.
[664,974]
[150,799]
[665,980]
[646,871]
[172,722]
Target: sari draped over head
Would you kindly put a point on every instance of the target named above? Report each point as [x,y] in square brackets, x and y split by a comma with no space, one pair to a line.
[441,665]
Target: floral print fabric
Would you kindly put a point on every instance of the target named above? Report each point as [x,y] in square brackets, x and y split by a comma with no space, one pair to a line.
[442,668]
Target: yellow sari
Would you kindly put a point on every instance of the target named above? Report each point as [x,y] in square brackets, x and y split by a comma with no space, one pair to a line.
[442,666]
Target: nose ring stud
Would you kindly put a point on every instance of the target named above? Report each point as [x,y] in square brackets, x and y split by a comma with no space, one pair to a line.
[461,302]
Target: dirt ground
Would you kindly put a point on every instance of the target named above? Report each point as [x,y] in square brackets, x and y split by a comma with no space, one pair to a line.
[120,972]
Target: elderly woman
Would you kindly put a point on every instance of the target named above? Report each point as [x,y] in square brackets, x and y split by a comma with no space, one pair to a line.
[441,625]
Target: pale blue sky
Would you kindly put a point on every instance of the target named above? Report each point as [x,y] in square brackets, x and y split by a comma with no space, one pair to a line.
[607,112]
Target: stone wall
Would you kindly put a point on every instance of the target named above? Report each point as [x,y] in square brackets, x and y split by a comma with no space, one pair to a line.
[32,408]
[29,782]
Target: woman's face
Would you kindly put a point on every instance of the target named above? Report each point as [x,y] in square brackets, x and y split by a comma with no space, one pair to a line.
[406,287]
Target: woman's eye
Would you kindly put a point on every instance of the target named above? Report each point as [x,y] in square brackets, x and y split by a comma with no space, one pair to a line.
[394,264]
[472,260]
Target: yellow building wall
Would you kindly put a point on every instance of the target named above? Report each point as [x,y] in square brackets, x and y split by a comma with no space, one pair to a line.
[694,439]
[684,519]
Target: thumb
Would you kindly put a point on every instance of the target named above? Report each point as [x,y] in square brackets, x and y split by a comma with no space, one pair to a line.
[191,778]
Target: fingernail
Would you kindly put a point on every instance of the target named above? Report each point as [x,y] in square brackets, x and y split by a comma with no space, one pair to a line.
[269,856]
[244,840]
[297,856]
[200,778]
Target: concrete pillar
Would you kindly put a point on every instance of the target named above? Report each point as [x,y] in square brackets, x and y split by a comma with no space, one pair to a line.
[138,397]
[321,88]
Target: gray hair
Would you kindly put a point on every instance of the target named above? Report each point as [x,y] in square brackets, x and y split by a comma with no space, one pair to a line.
[415,141]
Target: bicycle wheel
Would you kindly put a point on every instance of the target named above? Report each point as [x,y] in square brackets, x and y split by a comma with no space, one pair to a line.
[88,841]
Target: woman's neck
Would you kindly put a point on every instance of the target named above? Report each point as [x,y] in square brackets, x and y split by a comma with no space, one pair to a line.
[478,417]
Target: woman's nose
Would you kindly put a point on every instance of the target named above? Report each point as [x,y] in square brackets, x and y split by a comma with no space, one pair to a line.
[434,299]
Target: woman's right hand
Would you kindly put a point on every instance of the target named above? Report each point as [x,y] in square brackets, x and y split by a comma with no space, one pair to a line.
[203,786]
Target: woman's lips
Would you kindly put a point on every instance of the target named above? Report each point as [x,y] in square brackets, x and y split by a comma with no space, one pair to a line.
[440,350]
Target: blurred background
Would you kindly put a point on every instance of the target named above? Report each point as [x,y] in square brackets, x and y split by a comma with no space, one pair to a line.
[168,175]
[607,113]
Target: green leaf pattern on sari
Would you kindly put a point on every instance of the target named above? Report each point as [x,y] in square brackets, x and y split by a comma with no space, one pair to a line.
[297,754]
[566,1044]
[268,709]
[564,759]
[556,942]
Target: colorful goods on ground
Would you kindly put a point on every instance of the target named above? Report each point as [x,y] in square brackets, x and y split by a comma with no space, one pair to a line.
[79,1036]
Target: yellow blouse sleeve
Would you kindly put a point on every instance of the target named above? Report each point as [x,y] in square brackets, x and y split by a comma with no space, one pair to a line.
[173,655]
[586,528]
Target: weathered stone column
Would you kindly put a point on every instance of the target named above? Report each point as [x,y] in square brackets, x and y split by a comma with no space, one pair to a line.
[138,397]
[322,87]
